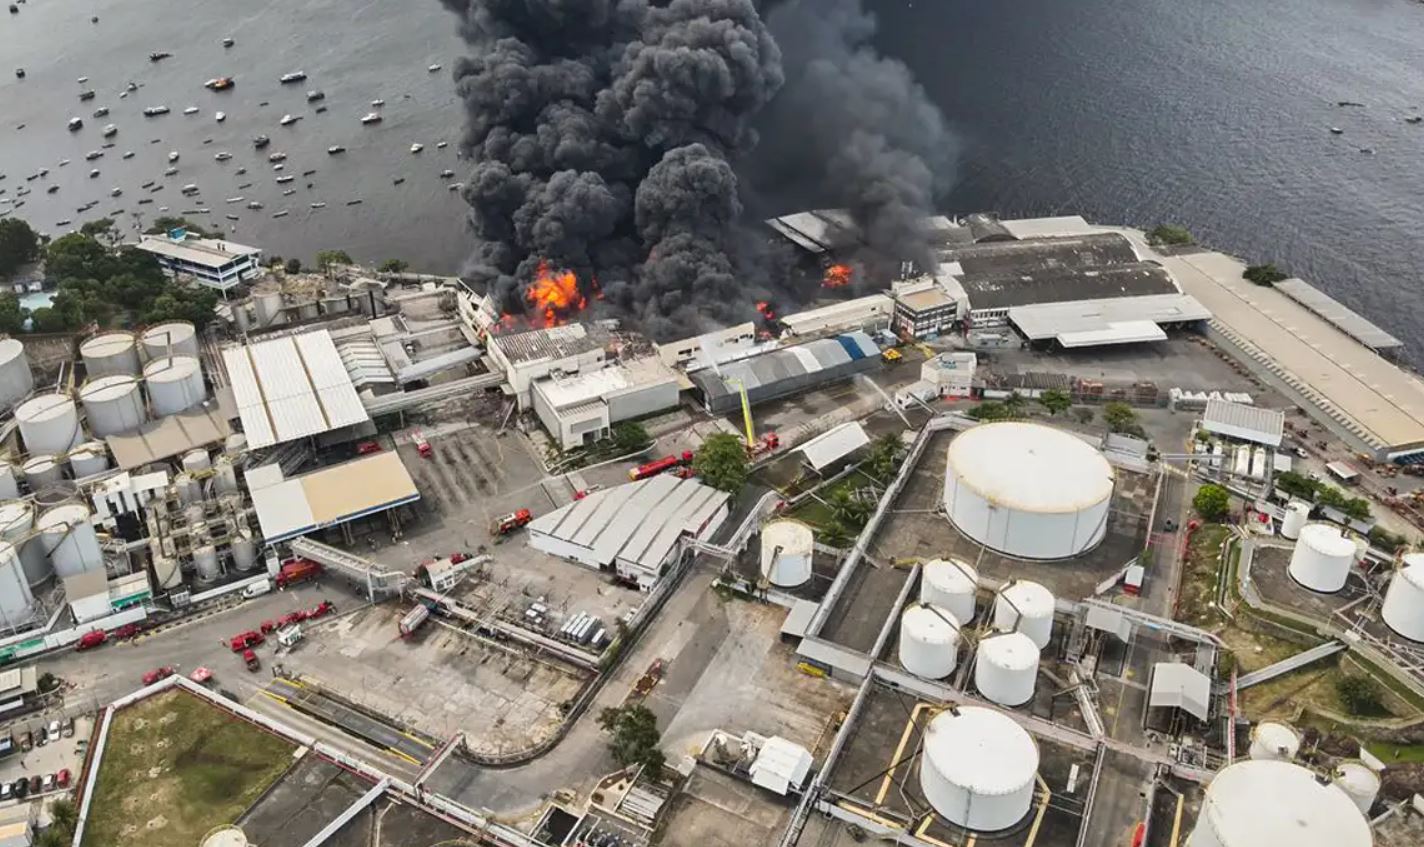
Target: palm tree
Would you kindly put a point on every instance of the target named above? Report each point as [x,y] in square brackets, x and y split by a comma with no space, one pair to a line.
[63,814]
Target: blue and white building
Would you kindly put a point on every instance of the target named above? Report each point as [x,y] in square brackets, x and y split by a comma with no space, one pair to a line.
[209,261]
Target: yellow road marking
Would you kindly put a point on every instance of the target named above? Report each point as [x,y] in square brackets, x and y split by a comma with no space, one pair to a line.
[279,698]
[1177,822]
[394,752]
[422,742]
[895,758]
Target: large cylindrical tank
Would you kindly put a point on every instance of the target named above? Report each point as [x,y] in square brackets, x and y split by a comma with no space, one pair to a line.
[244,551]
[205,559]
[1273,740]
[786,550]
[1322,558]
[167,575]
[1026,607]
[113,404]
[1258,463]
[17,522]
[978,768]
[49,423]
[1027,490]
[224,475]
[1297,513]
[17,604]
[9,480]
[235,443]
[190,490]
[42,472]
[1241,462]
[1006,668]
[929,641]
[1403,609]
[16,380]
[195,461]
[1360,784]
[174,384]
[110,353]
[951,584]
[89,458]
[175,338]
[1255,803]
[69,540]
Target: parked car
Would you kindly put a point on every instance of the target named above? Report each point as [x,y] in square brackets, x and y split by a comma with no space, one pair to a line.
[250,659]
[62,778]
[42,739]
[35,784]
[156,674]
[128,630]
[92,638]
[27,741]
[53,733]
[244,640]
[48,783]
[21,788]
[69,728]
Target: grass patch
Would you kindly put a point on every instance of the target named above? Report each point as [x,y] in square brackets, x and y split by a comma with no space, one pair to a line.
[1395,754]
[174,768]
[1199,577]
[815,512]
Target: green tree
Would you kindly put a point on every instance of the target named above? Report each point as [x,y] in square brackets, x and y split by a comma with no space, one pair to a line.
[630,435]
[1055,400]
[1083,414]
[883,457]
[63,816]
[293,266]
[393,266]
[849,510]
[19,245]
[1360,695]
[635,736]
[1296,485]
[102,229]
[1170,234]
[721,461]
[1014,404]
[1120,417]
[327,258]
[1267,274]
[78,256]
[53,837]
[989,410]
[46,319]
[12,315]
[164,224]
[1212,502]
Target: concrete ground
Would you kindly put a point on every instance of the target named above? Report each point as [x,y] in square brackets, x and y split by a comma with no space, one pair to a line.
[1270,572]
[718,810]
[1182,361]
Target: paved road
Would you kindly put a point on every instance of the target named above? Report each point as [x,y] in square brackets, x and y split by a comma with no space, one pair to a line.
[314,702]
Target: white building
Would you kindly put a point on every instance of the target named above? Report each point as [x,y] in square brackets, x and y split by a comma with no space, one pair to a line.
[564,350]
[927,307]
[1244,423]
[951,373]
[721,344]
[873,312]
[212,262]
[582,408]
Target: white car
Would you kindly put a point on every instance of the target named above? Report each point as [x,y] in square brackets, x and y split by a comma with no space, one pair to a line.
[52,732]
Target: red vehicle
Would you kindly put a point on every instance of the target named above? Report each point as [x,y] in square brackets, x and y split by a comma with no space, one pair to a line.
[62,778]
[297,570]
[365,448]
[457,558]
[421,445]
[244,640]
[290,618]
[320,610]
[512,521]
[128,630]
[579,495]
[92,638]
[201,675]
[413,619]
[156,674]
[769,443]
[656,467]
[267,627]
[249,658]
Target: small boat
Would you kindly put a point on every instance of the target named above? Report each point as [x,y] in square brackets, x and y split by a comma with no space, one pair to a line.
[278,167]
[131,86]
[231,217]
[294,76]
[416,148]
[358,201]
[240,171]
[82,80]
[101,112]
[52,189]
[191,110]
[289,192]
[261,141]
[1335,130]
[148,184]
[320,110]
[371,118]
[207,141]
[318,205]
[376,104]
[281,214]
[110,131]
[441,145]
[127,155]
[76,124]
[173,156]
[288,120]
[87,95]
[283,180]
[145,201]
[222,83]
[190,188]
[433,68]
[94,174]
[234,199]
[19,73]
[228,42]
[335,149]
[65,222]
[92,155]
[1414,119]
[398,180]
[313,96]
[1368,151]
[158,56]
[446,174]
[244,186]
[63,162]
[456,186]
[116,192]
[222,156]
[155,111]
[107,145]
[277,157]
[309,173]
[220,117]
[254,205]
[170,171]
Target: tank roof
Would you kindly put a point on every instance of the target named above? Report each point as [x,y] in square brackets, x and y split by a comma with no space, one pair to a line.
[1030,598]
[951,575]
[1258,802]
[982,750]
[108,387]
[170,368]
[105,343]
[11,348]
[1030,467]
[63,513]
[1326,538]
[792,536]
[45,407]
[930,624]
[1012,650]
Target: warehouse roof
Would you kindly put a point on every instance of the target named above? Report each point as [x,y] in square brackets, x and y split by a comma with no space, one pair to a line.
[1344,318]
[208,252]
[853,311]
[835,444]
[1041,321]
[291,387]
[995,258]
[603,383]
[787,363]
[288,508]
[555,342]
[818,230]
[1058,284]
[1247,423]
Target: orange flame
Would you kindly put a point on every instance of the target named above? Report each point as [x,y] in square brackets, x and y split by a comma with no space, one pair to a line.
[836,276]
[555,295]
[764,308]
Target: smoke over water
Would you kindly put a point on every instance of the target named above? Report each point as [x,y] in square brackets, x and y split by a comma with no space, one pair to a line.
[607,138]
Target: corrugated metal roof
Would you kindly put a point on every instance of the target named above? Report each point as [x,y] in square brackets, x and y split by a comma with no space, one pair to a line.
[291,387]
[1237,420]
[832,446]
[333,495]
[1041,321]
[1349,321]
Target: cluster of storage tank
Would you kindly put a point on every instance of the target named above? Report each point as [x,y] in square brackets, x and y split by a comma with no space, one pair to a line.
[35,547]
[214,517]
[1403,609]
[162,362]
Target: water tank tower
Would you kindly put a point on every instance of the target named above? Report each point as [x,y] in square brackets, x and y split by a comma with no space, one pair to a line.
[979,768]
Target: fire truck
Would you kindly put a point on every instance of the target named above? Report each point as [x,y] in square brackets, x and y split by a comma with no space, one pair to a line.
[656,467]
[506,524]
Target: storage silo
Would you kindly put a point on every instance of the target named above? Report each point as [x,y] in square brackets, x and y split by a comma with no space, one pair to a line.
[195,461]
[69,540]
[929,641]
[1026,607]
[17,523]
[17,604]
[1241,463]
[175,338]
[167,575]
[244,551]
[89,458]
[1297,513]
[224,475]
[1027,490]
[113,404]
[174,384]
[1360,784]
[1322,558]
[1403,609]
[979,768]
[951,584]
[189,490]
[1258,463]
[110,353]
[42,471]
[1006,668]
[1273,740]
[205,559]
[9,480]
[49,423]
[16,380]
[1255,803]
[786,550]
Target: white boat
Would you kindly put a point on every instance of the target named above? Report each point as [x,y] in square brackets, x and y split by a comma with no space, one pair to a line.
[335,149]
[110,130]
[190,188]
[416,148]
[92,155]
[220,117]
[94,174]
[63,162]
[234,199]
[102,111]
[222,157]
[173,156]
[281,214]
[376,104]
[278,168]
[254,205]
[441,145]
[116,192]
[283,180]
[277,157]
[170,172]
[76,124]
[82,80]
[433,68]
[128,154]
[289,192]
[371,118]
[318,205]
[288,120]
[446,174]
[294,76]
[154,111]
[191,110]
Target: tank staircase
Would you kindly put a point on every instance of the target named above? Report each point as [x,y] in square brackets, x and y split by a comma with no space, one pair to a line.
[1285,666]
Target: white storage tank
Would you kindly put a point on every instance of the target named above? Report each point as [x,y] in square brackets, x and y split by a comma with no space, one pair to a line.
[1258,463]
[49,423]
[1403,609]
[113,404]
[1006,668]
[1025,607]
[16,380]
[1296,516]
[1273,740]
[9,480]
[205,559]
[89,458]
[244,551]
[1255,803]
[17,522]
[1027,490]
[174,384]
[195,461]
[167,575]
[69,539]
[929,641]
[43,471]
[190,490]
[175,338]
[224,475]
[1241,465]
[951,584]
[979,768]
[1322,558]
[1359,783]
[786,550]
[110,353]
[17,604]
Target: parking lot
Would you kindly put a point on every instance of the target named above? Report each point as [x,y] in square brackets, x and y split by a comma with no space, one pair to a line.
[37,754]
